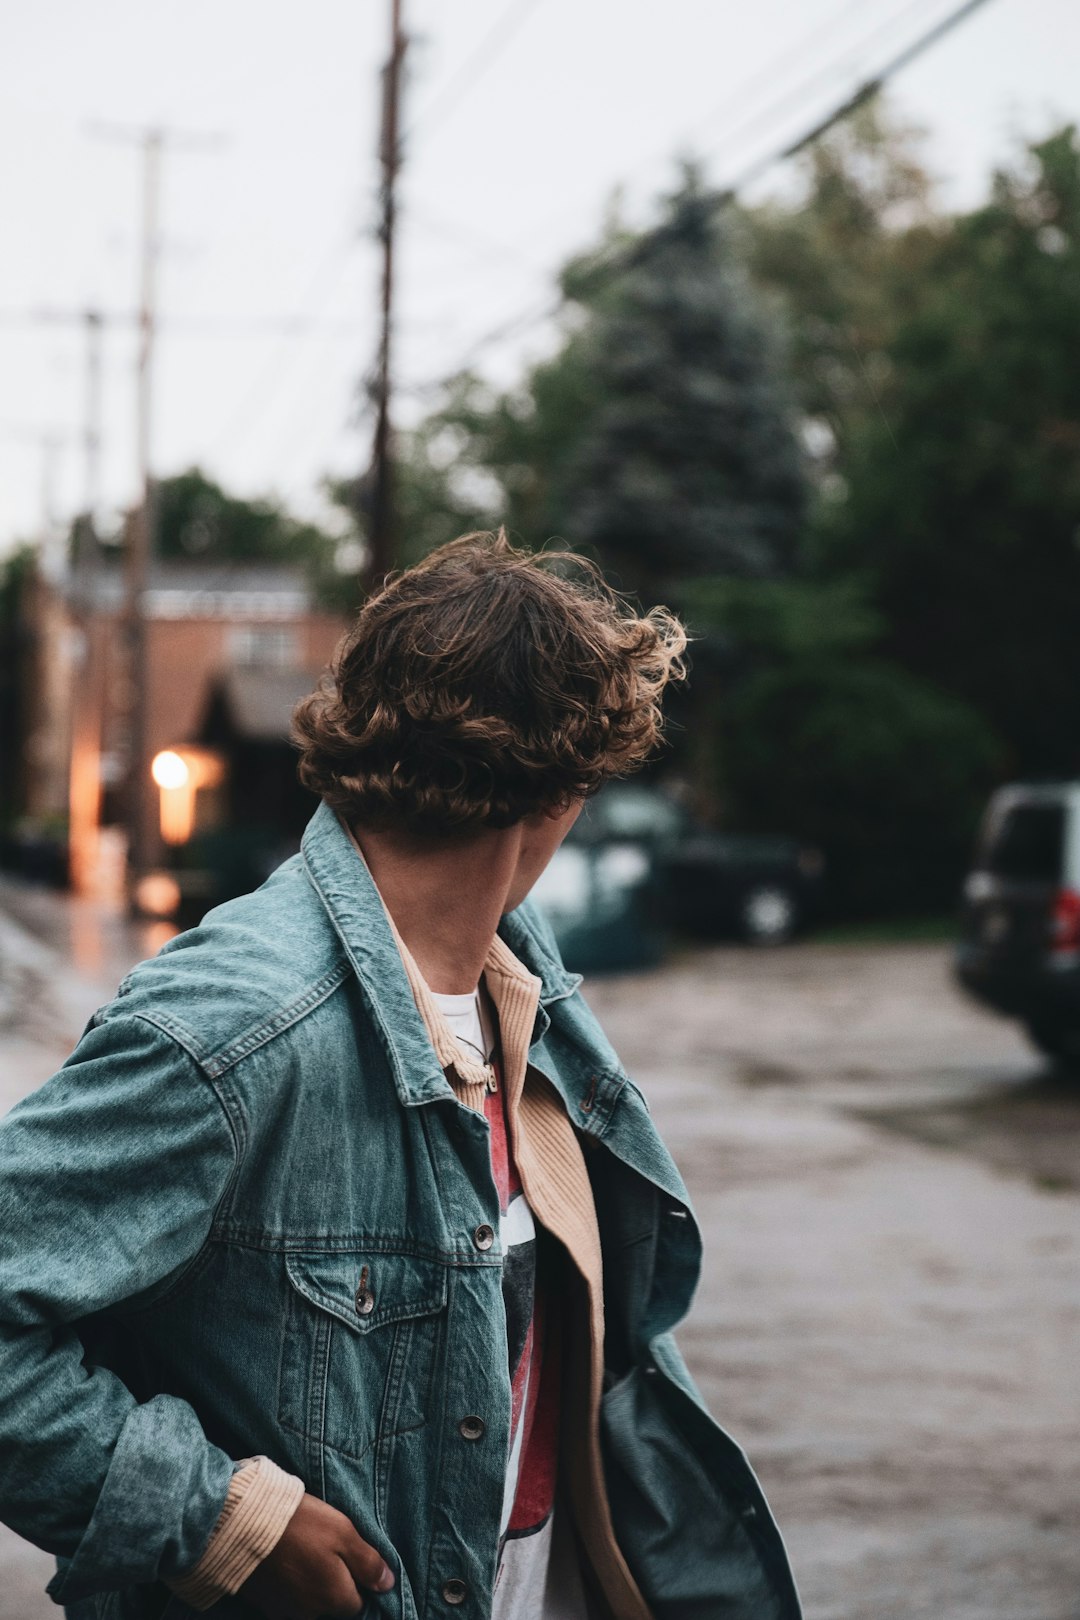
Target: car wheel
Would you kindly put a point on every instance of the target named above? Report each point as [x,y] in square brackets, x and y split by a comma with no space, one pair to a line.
[1058,1041]
[769,914]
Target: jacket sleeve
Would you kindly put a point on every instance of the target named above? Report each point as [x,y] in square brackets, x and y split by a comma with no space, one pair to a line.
[110,1175]
[261,1501]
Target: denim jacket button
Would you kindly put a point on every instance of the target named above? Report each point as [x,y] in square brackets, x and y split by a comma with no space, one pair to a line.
[484,1237]
[455,1591]
[471,1428]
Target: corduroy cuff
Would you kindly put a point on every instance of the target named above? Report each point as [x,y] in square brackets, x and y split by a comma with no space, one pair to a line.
[261,1500]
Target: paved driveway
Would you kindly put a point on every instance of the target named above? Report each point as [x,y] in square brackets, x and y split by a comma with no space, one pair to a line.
[888,1182]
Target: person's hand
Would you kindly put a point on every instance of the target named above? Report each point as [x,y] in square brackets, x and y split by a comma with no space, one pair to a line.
[317,1568]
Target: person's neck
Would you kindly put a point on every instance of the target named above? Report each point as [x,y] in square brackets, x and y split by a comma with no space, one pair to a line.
[446,898]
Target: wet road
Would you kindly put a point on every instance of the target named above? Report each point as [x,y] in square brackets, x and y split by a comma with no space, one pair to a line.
[888,1182]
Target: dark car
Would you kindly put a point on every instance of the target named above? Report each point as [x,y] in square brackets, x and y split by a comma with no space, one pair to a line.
[1019,947]
[599,887]
[759,888]
[636,864]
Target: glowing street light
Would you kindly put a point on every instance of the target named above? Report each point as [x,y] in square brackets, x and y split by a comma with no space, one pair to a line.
[179,775]
[170,770]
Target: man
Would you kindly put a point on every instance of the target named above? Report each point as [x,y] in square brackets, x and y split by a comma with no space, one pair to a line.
[339,1262]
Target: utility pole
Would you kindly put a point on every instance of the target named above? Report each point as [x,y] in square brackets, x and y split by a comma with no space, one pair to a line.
[84,530]
[93,321]
[381,508]
[141,536]
[90,684]
[141,526]
[51,446]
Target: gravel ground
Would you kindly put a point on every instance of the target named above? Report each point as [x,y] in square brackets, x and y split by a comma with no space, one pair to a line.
[888,1181]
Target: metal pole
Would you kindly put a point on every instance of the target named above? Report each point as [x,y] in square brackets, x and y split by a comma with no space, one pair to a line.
[137,800]
[381,530]
[88,697]
[141,527]
[93,321]
[84,531]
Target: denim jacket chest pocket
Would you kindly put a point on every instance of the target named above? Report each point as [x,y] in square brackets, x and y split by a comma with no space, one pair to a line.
[361,1344]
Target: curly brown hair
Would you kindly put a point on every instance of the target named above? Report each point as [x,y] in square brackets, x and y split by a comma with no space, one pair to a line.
[483,685]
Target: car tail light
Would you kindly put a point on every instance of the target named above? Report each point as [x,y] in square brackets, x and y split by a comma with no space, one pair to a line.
[1065,921]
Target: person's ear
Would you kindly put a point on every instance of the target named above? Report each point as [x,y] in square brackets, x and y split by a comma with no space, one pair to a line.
[563,806]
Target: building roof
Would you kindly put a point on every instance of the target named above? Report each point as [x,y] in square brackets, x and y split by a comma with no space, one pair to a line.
[210,590]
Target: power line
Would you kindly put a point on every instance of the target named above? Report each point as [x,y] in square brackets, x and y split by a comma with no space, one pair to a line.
[865,92]
[208,326]
[179,140]
[795,55]
[465,236]
[768,114]
[765,76]
[64,317]
[272,376]
[502,33]
[619,256]
[489,50]
[260,326]
[24,433]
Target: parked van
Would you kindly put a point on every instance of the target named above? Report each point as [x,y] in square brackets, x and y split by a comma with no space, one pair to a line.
[1019,950]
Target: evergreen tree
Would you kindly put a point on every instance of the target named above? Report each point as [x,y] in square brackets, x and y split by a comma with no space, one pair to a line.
[687,463]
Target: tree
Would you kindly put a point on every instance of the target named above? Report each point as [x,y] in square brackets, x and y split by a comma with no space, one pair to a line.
[658,437]
[688,462]
[815,733]
[963,494]
[838,266]
[867,668]
[200,522]
[196,518]
[932,360]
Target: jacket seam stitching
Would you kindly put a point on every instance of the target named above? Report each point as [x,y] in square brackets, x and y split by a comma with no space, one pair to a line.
[319,992]
[228,1236]
[609,1092]
[198,1260]
[216,1065]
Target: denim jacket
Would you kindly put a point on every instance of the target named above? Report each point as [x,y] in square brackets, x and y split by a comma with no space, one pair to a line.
[257,1120]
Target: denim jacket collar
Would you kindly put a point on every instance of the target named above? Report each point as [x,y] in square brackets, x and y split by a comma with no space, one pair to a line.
[356,912]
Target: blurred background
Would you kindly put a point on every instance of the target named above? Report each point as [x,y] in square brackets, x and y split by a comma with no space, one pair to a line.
[774,312]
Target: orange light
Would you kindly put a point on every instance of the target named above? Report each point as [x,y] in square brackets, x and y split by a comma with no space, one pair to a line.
[84,812]
[180,773]
[170,770]
[157,894]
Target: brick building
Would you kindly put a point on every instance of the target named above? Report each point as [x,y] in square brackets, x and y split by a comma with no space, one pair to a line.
[203,622]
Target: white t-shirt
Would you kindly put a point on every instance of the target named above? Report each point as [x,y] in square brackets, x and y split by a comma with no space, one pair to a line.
[538,1576]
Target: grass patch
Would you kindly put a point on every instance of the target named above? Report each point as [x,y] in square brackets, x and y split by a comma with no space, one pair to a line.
[891,931]
[1050,1181]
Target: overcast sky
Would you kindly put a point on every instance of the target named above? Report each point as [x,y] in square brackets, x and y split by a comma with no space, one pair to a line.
[526,115]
